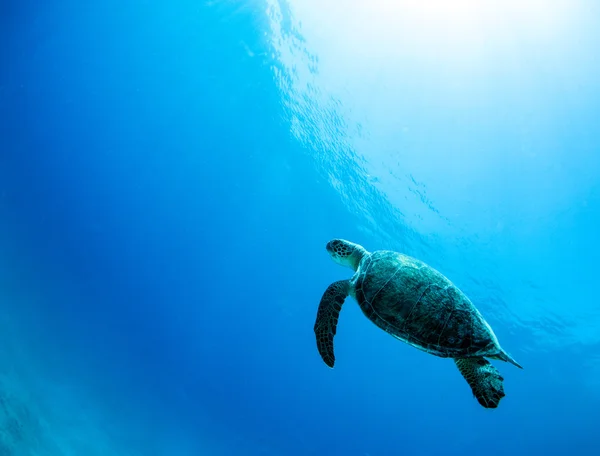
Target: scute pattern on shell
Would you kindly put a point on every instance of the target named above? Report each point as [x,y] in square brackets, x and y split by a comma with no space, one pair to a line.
[415,303]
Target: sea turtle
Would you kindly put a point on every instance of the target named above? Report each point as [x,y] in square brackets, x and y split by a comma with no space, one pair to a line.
[418,305]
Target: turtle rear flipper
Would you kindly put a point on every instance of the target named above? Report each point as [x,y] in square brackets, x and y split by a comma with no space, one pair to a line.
[327,318]
[483,378]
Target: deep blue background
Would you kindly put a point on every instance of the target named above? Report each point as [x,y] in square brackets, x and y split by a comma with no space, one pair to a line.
[169,232]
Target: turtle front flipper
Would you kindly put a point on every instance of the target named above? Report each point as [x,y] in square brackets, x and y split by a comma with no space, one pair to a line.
[483,378]
[327,318]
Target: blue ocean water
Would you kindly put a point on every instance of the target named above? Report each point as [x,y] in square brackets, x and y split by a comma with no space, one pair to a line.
[171,172]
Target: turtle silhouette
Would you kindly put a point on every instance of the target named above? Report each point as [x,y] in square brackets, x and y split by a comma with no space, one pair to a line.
[415,303]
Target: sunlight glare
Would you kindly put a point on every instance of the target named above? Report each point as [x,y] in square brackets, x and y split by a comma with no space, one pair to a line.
[430,29]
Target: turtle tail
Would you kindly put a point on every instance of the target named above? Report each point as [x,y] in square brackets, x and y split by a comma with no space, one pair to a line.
[503,356]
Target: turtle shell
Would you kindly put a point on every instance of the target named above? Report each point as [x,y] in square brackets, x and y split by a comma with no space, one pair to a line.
[418,305]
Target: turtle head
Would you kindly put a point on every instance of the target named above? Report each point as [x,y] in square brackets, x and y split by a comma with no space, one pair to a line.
[345,253]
